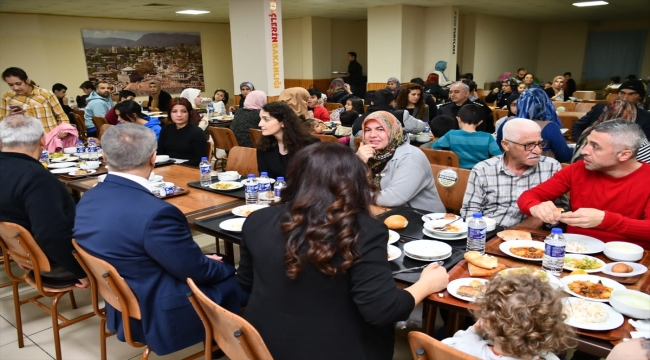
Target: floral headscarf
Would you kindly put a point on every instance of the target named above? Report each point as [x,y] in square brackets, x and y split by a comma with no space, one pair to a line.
[534,104]
[296,98]
[255,100]
[395,138]
[397,89]
[504,76]
[336,87]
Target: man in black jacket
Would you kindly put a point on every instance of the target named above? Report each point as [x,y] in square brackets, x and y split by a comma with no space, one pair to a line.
[382,100]
[459,96]
[35,199]
[570,85]
[631,91]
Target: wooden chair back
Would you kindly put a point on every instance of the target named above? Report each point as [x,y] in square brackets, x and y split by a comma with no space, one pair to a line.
[19,245]
[424,347]
[585,95]
[357,142]
[145,103]
[611,97]
[327,138]
[451,185]
[270,99]
[482,93]
[236,337]
[209,149]
[596,101]
[365,108]
[584,107]
[99,121]
[330,106]
[256,135]
[79,112]
[498,114]
[103,129]
[567,123]
[243,160]
[81,127]
[441,157]
[237,99]
[568,105]
[223,138]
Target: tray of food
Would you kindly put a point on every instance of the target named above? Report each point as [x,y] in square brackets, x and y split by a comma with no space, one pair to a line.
[230,188]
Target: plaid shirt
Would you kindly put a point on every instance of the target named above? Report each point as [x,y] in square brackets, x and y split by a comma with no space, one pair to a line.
[39,103]
[493,190]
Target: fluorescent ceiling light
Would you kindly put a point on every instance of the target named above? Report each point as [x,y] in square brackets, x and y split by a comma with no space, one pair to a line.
[590,3]
[193,12]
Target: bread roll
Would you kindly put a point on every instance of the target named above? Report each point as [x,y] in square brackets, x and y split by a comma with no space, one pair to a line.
[484,261]
[449,217]
[396,222]
[514,235]
[478,271]
[622,268]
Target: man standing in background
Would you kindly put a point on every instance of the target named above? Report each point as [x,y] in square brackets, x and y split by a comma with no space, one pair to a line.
[570,86]
[355,74]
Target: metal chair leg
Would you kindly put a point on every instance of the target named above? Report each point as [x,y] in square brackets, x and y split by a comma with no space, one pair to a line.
[102,338]
[145,353]
[55,325]
[19,320]
[72,300]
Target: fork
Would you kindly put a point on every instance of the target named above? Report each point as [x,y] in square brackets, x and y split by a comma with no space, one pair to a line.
[416,268]
[441,228]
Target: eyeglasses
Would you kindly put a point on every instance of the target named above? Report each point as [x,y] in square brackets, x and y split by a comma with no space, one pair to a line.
[530,146]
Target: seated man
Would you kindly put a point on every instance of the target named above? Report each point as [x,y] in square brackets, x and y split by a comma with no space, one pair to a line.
[35,199]
[495,184]
[610,196]
[150,245]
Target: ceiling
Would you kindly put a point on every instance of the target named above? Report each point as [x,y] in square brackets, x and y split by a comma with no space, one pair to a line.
[536,10]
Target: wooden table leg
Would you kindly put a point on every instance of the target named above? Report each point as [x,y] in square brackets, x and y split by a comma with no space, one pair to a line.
[429,314]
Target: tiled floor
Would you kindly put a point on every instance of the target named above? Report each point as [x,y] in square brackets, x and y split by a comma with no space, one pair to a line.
[81,341]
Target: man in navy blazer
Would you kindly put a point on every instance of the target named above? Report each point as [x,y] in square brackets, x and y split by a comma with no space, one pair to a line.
[150,244]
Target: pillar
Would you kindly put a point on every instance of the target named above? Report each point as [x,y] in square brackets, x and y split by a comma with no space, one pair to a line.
[441,39]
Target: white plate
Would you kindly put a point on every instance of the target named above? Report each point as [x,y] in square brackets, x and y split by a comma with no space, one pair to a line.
[430,234]
[614,319]
[61,165]
[64,170]
[505,247]
[594,279]
[427,248]
[224,117]
[563,130]
[429,225]
[393,237]
[453,286]
[447,256]
[393,252]
[234,185]
[435,216]
[270,179]
[64,159]
[246,210]
[88,172]
[637,269]
[593,245]
[234,225]
[552,280]
[580,256]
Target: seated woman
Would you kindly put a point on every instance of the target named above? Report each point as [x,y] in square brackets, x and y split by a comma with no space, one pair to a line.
[283,135]
[410,99]
[401,171]
[181,139]
[353,103]
[245,88]
[296,98]
[315,110]
[339,92]
[131,111]
[556,91]
[440,68]
[529,80]
[432,88]
[394,86]
[316,265]
[511,105]
[193,96]
[248,117]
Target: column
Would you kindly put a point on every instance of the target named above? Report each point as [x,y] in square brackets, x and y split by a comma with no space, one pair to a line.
[441,39]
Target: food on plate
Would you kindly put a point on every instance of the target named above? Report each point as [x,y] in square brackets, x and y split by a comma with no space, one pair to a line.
[474,289]
[56,155]
[452,228]
[578,272]
[542,275]
[582,263]
[590,290]
[224,186]
[585,312]
[484,261]
[81,172]
[481,272]
[622,268]
[528,252]
[507,235]
[574,246]
[396,222]
[449,217]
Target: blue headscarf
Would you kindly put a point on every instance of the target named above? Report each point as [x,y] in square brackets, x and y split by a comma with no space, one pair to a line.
[441,65]
[534,104]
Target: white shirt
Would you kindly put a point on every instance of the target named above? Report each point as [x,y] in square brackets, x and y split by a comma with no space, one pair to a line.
[135,178]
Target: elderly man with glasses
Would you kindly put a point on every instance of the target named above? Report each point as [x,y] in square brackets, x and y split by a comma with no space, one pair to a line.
[495,184]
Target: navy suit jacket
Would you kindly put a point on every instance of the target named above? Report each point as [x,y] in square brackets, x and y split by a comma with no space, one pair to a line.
[150,244]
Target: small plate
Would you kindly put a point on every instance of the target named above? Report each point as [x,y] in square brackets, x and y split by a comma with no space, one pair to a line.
[64,170]
[453,286]
[270,179]
[637,269]
[462,226]
[435,216]
[393,252]
[591,245]
[234,225]
[614,318]
[64,159]
[505,247]
[594,279]
[225,117]
[61,165]
[393,237]
[427,249]
[88,172]
[232,185]
[542,274]
[435,236]
[579,256]
[246,210]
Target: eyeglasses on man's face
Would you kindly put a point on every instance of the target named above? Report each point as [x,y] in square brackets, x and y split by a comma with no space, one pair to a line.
[531,146]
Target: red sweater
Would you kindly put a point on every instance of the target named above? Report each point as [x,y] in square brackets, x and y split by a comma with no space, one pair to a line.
[111,117]
[625,200]
[320,113]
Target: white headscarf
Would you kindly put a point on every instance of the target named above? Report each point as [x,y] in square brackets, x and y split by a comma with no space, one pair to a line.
[191,94]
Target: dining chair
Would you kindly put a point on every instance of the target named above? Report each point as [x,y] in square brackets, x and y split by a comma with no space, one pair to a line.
[498,114]
[79,112]
[236,337]
[209,151]
[567,123]
[424,347]
[567,105]
[103,129]
[584,107]
[99,121]
[18,245]
[2,262]
[327,138]
[107,282]
[585,95]
[81,127]
[451,185]
[270,99]
[611,97]
[256,135]
[243,160]
[357,143]
[224,139]
[332,106]
[441,157]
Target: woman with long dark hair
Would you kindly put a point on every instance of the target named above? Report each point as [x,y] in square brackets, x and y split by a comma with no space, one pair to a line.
[131,111]
[182,139]
[316,265]
[411,99]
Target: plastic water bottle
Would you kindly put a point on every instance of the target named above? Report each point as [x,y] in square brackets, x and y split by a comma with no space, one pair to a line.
[204,166]
[427,130]
[140,103]
[45,157]
[277,188]
[250,189]
[264,189]
[80,147]
[210,110]
[71,102]
[476,233]
[554,246]
[92,150]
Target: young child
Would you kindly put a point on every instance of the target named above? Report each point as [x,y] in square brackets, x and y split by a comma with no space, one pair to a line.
[344,131]
[315,126]
[470,146]
[518,317]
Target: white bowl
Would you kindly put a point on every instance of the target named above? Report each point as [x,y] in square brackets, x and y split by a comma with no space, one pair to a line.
[228,176]
[162,158]
[632,303]
[423,138]
[70,150]
[90,165]
[623,251]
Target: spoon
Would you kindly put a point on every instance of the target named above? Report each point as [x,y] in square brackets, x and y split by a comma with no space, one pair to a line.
[441,228]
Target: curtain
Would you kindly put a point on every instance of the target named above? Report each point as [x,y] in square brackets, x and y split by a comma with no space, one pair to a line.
[614,53]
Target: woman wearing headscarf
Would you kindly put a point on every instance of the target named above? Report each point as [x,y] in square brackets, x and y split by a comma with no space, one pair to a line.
[339,92]
[296,98]
[394,86]
[534,104]
[401,171]
[245,88]
[248,117]
[193,96]
[440,67]
[158,98]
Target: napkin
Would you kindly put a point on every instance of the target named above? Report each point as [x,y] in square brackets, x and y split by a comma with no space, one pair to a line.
[642,328]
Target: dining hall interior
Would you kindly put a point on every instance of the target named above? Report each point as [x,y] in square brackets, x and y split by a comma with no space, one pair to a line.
[391,38]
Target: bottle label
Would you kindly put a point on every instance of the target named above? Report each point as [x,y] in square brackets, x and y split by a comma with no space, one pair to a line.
[554,250]
[205,169]
[476,234]
[265,186]
[250,189]
[276,192]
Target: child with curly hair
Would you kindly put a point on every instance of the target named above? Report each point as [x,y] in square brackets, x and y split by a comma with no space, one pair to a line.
[518,317]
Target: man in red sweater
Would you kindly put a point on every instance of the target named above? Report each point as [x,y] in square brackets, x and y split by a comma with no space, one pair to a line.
[610,196]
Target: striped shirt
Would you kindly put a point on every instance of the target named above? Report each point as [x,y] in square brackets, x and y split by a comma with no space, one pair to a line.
[644,153]
[493,190]
[39,103]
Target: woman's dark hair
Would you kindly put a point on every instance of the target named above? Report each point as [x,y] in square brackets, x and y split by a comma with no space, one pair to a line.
[226,96]
[87,85]
[403,97]
[81,101]
[14,71]
[193,116]
[123,94]
[357,105]
[129,110]
[616,79]
[348,118]
[322,220]
[294,134]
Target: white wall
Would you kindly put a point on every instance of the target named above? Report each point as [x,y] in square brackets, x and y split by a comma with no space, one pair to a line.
[555,57]
[438,31]
[346,36]
[413,43]
[293,48]
[384,40]
[321,40]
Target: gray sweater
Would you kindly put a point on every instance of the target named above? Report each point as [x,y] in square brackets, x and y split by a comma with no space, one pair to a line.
[407,178]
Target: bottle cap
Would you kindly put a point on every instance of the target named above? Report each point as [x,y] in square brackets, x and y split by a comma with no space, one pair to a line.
[477,215]
[264,173]
[204,158]
[251,176]
[556,231]
[280,178]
